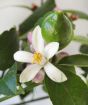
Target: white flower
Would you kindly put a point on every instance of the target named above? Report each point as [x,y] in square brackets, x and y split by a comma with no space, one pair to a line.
[40,59]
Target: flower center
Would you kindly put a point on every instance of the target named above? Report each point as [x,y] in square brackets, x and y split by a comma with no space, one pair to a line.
[37,58]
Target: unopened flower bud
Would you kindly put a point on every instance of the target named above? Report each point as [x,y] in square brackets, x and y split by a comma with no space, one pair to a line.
[34,7]
[39,77]
[74,17]
[29,37]
[61,55]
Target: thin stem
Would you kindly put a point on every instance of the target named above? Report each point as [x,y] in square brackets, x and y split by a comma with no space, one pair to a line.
[34,100]
[81,39]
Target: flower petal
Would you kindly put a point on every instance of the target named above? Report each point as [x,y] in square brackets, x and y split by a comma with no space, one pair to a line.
[39,77]
[54,73]
[23,56]
[29,73]
[51,49]
[37,40]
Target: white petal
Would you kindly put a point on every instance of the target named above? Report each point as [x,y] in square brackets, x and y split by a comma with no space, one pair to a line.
[23,56]
[54,73]
[51,49]
[37,40]
[29,72]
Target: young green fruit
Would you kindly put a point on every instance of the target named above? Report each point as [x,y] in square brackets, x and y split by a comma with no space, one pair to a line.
[57,27]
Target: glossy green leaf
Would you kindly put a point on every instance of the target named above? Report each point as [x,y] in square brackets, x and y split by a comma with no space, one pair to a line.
[72,92]
[84,49]
[8,46]
[20,91]
[57,27]
[10,96]
[31,20]
[8,82]
[75,60]
[80,14]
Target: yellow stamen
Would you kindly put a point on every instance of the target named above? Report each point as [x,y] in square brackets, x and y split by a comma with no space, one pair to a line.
[37,58]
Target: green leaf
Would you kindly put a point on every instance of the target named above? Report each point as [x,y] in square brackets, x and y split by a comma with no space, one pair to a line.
[8,46]
[31,20]
[80,14]
[53,25]
[8,82]
[30,86]
[84,49]
[10,96]
[72,92]
[80,60]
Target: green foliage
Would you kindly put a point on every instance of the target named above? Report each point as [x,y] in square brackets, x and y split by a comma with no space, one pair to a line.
[21,91]
[57,27]
[8,82]
[72,92]
[8,46]
[31,20]
[80,60]
[84,50]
